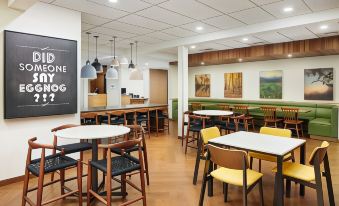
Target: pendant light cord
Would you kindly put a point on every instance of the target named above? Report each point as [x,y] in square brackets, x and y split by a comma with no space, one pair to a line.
[96,47]
[131,52]
[88,46]
[136,53]
[114,45]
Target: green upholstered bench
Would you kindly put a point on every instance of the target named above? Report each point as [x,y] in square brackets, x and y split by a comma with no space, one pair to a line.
[322,119]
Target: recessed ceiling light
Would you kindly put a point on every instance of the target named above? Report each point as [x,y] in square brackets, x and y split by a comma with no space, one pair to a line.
[288,9]
[113,1]
[245,39]
[199,28]
[193,47]
[202,63]
[323,27]
[240,59]
[289,55]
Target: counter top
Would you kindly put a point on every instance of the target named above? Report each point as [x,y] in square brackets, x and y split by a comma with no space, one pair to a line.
[129,106]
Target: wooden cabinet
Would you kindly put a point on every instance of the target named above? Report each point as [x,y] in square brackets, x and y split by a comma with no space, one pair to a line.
[99,100]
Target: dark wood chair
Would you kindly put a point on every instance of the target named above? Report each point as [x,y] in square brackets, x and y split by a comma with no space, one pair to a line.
[120,165]
[196,106]
[89,118]
[116,117]
[142,118]
[225,107]
[195,124]
[160,114]
[51,163]
[291,117]
[270,116]
[233,124]
[247,119]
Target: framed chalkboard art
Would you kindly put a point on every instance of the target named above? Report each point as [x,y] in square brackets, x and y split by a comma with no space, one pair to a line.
[40,75]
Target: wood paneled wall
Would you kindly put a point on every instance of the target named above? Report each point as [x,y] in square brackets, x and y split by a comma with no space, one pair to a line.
[303,48]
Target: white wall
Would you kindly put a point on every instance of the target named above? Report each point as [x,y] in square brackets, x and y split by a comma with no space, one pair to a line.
[41,19]
[293,76]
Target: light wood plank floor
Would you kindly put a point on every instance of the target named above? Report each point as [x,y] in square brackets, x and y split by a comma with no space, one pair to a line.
[171,174]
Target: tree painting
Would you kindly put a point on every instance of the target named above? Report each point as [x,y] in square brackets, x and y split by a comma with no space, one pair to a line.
[233,85]
[202,85]
[318,84]
[271,84]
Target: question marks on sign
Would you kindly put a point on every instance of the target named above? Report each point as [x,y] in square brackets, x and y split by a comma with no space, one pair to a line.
[36,97]
[52,97]
[44,97]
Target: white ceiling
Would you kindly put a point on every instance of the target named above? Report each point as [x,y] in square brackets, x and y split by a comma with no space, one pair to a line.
[153,22]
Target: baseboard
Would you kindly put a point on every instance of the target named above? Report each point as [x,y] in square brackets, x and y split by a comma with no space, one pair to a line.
[13,180]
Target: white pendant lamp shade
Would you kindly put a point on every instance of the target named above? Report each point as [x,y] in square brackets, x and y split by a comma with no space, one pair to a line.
[112,73]
[96,64]
[136,73]
[115,62]
[88,71]
[124,61]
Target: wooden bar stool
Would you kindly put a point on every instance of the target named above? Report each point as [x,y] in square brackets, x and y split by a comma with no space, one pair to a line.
[291,117]
[89,118]
[117,117]
[51,163]
[160,114]
[142,118]
[195,124]
[184,123]
[270,116]
[247,119]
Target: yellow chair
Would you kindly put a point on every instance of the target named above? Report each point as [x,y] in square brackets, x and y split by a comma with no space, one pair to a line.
[307,175]
[270,158]
[233,170]
[206,135]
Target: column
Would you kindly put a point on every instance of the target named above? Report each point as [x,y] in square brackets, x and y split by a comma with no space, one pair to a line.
[182,84]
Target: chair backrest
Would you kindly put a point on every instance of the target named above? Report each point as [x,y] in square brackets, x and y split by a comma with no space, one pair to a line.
[225,107]
[276,131]
[196,106]
[116,113]
[202,119]
[65,126]
[232,159]
[270,113]
[209,133]
[241,109]
[32,145]
[320,152]
[290,114]
[89,115]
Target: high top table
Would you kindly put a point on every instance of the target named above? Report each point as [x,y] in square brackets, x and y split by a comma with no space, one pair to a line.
[94,133]
[265,144]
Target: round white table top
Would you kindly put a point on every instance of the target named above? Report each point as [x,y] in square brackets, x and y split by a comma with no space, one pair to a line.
[213,112]
[92,132]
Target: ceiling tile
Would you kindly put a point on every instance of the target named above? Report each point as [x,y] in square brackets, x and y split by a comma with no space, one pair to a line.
[177,31]
[146,39]
[199,12]
[162,35]
[47,1]
[232,43]
[250,40]
[224,22]
[333,28]
[91,8]
[144,22]
[262,2]
[127,27]
[85,26]
[125,5]
[112,32]
[252,16]
[277,9]
[164,15]
[298,33]
[209,46]
[228,6]
[273,37]
[318,5]
[155,1]
[206,28]
[92,19]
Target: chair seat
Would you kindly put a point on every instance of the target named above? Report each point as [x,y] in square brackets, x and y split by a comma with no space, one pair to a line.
[52,164]
[298,171]
[272,120]
[235,177]
[114,121]
[142,119]
[266,157]
[120,165]
[88,122]
[132,149]
[293,122]
[75,147]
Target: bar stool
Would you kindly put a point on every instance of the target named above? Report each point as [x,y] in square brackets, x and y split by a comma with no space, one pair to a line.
[142,118]
[184,123]
[51,163]
[247,119]
[117,117]
[270,116]
[291,117]
[160,113]
[89,118]
[195,124]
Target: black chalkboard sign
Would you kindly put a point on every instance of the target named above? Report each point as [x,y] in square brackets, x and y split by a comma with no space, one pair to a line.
[40,75]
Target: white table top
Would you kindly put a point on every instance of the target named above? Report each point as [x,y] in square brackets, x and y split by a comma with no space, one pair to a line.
[213,112]
[92,132]
[267,144]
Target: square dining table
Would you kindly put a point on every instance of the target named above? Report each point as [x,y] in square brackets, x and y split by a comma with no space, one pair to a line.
[266,144]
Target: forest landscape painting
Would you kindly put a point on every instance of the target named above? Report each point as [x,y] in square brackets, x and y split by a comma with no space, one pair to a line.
[202,85]
[233,85]
[271,84]
[318,84]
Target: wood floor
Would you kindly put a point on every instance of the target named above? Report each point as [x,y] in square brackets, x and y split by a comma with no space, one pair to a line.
[171,173]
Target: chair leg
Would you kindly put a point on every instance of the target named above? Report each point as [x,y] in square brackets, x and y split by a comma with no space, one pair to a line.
[196,168]
[187,136]
[157,124]
[244,195]
[182,133]
[302,131]
[146,166]
[203,189]
[259,165]
[253,126]
[265,124]
[285,125]
[225,191]
[123,185]
[149,129]
[251,162]
[62,182]
[109,188]
[89,183]
[143,190]
[40,189]
[79,179]
[297,130]
[26,181]
[261,192]
[288,188]
[319,189]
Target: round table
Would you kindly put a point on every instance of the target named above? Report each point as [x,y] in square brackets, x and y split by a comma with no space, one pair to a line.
[213,112]
[93,132]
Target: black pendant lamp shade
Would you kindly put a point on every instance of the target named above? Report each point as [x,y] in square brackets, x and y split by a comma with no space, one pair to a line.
[96,64]
[131,65]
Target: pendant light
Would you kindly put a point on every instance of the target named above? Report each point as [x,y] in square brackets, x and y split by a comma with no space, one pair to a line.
[131,65]
[112,73]
[88,71]
[136,73]
[96,64]
[115,62]
[123,60]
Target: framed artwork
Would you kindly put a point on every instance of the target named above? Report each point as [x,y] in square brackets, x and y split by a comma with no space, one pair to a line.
[271,84]
[40,75]
[233,85]
[203,85]
[318,84]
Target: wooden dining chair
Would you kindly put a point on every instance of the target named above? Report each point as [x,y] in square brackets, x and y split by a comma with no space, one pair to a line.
[310,176]
[119,165]
[206,135]
[247,119]
[195,124]
[233,169]
[142,118]
[233,123]
[270,116]
[78,147]
[275,132]
[225,107]
[184,123]
[291,117]
[51,163]
[196,106]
